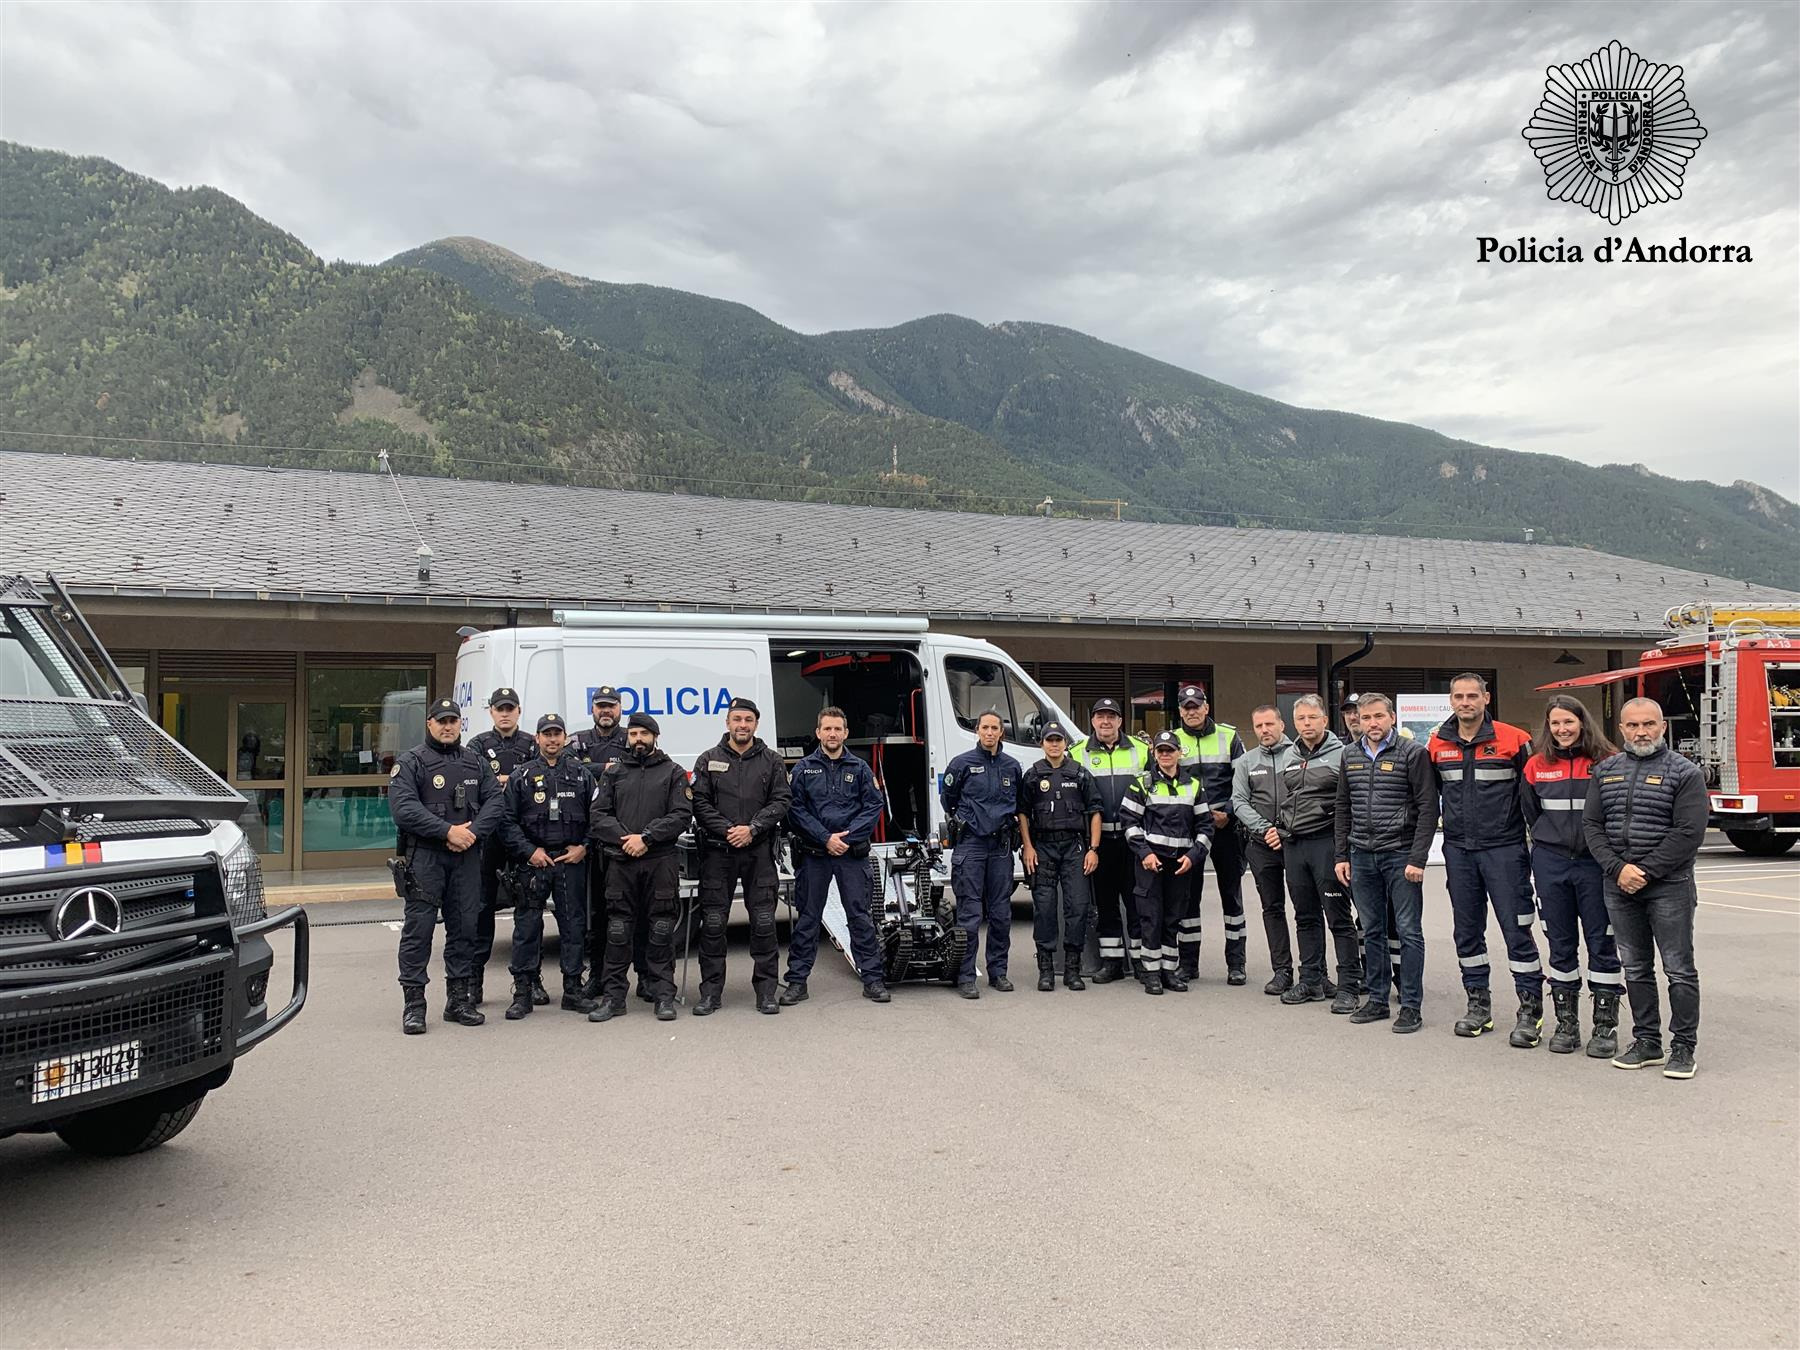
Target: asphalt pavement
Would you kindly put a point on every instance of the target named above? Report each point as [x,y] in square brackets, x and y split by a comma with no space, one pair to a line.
[1069,1169]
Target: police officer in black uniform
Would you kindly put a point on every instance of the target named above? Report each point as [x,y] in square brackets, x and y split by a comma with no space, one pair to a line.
[596,748]
[645,805]
[446,805]
[504,748]
[741,797]
[1059,822]
[548,807]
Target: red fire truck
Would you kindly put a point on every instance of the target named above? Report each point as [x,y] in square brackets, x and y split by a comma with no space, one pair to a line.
[1729,683]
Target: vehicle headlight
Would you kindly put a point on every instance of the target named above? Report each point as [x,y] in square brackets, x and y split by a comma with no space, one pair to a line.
[242,875]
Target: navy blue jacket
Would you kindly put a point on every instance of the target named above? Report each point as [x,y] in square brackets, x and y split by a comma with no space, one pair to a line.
[833,796]
[982,790]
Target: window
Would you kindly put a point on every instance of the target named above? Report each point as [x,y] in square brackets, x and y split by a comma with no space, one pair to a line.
[1029,715]
[359,719]
[976,687]
[31,666]
[1784,712]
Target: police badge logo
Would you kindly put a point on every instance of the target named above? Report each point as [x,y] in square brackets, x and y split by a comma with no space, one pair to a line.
[1614,132]
[437,780]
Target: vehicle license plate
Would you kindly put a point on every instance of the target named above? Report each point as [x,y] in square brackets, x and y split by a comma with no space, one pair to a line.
[68,1075]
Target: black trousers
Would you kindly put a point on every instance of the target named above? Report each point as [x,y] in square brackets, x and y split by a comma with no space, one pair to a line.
[1115,903]
[1059,859]
[1269,869]
[650,887]
[568,898]
[450,882]
[596,924]
[722,872]
[1321,901]
[1227,855]
[1659,918]
[1162,898]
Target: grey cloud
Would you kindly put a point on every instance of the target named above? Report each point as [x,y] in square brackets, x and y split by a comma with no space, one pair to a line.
[1282,197]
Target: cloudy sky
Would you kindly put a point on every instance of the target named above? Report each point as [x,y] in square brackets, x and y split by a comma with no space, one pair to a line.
[1284,197]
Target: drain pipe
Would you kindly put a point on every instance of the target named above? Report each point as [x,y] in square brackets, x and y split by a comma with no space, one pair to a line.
[1334,684]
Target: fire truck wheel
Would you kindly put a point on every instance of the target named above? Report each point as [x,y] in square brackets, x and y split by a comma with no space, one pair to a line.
[129,1127]
[1762,843]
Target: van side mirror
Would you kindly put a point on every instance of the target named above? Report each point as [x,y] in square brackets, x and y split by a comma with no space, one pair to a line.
[143,703]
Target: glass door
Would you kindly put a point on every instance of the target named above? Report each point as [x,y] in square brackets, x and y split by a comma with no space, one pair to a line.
[259,730]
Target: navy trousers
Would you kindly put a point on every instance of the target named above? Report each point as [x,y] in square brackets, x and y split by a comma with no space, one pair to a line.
[1572,894]
[1501,877]
[812,886]
[981,877]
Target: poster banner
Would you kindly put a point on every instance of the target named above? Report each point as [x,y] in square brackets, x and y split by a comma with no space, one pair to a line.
[1422,714]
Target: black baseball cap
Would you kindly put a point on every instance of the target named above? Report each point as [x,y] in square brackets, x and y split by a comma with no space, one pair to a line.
[443,708]
[646,721]
[1053,729]
[1350,701]
[1191,693]
[744,705]
[1110,705]
[551,722]
[604,694]
[503,698]
[1167,738]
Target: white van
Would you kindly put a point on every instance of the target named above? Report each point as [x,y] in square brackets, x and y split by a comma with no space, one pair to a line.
[911,695]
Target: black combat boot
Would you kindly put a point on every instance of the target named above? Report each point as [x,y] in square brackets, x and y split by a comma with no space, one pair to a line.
[1528,1030]
[522,1000]
[574,999]
[665,1009]
[540,996]
[1152,981]
[591,987]
[1176,981]
[608,1009]
[1604,1043]
[1566,1039]
[457,1007]
[412,1015]
[1072,969]
[1046,970]
[1279,983]
[475,991]
[1479,1017]
[1112,968]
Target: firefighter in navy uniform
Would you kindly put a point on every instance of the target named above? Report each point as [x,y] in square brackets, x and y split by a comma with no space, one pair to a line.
[741,798]
[1169,829]
[503,748]
[1208,750]
[596,748]
[1059,822]
[1116,761]
[549,801]
[445,804]
[644,806]
[980,793]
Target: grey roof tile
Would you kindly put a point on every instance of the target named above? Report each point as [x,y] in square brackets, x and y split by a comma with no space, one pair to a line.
[156,526]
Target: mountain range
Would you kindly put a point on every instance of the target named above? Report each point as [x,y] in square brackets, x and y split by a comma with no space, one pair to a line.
[139,319]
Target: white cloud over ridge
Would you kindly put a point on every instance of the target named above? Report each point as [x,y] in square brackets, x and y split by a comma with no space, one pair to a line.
[1281,197]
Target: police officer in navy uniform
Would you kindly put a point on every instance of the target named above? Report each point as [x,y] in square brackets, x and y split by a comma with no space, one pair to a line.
[740,799]
[595,748]
[832,817]
[504,748]
[445,804]
[644,807]
[1059,822]
[548,803]
[980,793]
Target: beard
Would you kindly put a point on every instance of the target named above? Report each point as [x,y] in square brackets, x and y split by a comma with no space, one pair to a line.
[605,721]
[1644,751]
[641,752]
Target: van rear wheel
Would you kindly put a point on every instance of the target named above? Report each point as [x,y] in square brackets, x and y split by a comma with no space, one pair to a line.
[1762,843]
[128,1127]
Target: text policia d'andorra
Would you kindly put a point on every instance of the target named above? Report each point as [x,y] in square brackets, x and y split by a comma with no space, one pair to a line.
[1611,249]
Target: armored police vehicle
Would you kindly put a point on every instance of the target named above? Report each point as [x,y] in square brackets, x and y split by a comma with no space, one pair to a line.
[911,696]
[134,960]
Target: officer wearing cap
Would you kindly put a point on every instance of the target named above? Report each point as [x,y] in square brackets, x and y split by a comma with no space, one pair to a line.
[740,800]
[1169,829]
[644,807]
[596,747]
[445,804]
[1209,749]
[980,794]
[1059,822]
[549,801]
[1115,760]
[504,748]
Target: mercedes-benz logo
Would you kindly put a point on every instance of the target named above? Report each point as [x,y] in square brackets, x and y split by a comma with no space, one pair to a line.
[85,912]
